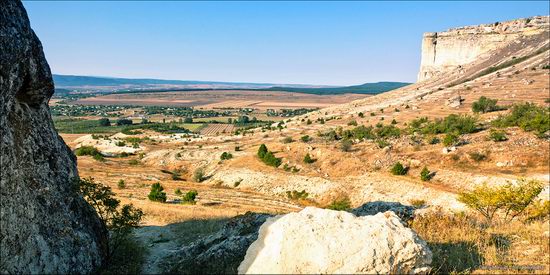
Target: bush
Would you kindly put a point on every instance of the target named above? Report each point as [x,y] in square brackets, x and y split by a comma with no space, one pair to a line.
[271,160]
[189,197]
[157,193]
[287,140]
[346,145]
[352,123]
[425,174]
[178,192]
[360,114]
[450,139]
[497,136]
[527,116]
[262,151]
[393,121]
[398,169]
[86,151]
[237,148]
[104,122]
[133,162]
[99,157]
[121,184]
[308,159]
[485,105]
[342,204]
[176,175]
[477,156]
[433,140]
[456,124]
[387,131]
[509,200]
[198,175]
[120,143]
[295,195]
[188,120]
[226,155]
[306,138]
[119,220]
[417,203]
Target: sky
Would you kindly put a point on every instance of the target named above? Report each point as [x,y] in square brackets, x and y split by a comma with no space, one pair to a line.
[324,43]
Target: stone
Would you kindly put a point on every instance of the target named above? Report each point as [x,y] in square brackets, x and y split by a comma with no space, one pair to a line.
[321,241]
[221,252]
[404,212]
[46,226]
[454,101]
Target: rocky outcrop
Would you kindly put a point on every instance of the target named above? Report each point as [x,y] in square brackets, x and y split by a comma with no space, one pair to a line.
[219,253]
[404,212]
[450,50]
[320,241]
[46,227]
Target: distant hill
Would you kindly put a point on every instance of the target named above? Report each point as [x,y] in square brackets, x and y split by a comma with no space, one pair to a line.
[130,85]
[367,88]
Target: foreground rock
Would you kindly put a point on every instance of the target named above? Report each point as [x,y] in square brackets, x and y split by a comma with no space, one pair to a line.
[46,227]
[219,253]
[323,241]
[404,212]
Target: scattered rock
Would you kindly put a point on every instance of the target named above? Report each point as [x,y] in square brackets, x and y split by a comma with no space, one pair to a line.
[315,241]
[454,102]
[221,252]
[447,150]
[505,163]
[45,226]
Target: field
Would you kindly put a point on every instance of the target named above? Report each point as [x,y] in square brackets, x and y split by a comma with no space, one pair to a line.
[223,99]
[215,129]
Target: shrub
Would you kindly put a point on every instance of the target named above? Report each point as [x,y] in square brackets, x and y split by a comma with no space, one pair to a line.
[176,175]
[287,140]
[189,197]
[360,114]
[425,174]
[99,157]
[393,121]
[497,136]
[237,148]
[104,122]
[198,175]
[86,151]
[121,184]
[346,145]
[226,155]
[417,203]
[308,121]
[485,105]
[271,160]
[382,143]
[352,123]
[295,195]
[388,131]
[178,192]
[372,114]
[119,220]
[157,193]
[477,156]
[450,139]
[262,151]
[133,162]
[398,169]
[527,116]
[306,138]
[120,143]
[188,120]
[342,204]
[433,140]
[509,200]
[308,159]
[456,124]
[538,210]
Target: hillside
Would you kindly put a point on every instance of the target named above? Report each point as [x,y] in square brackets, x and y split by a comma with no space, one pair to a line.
[345,156]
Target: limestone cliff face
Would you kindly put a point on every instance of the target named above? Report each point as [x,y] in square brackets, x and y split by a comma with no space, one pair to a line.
[46,227]
[447,51]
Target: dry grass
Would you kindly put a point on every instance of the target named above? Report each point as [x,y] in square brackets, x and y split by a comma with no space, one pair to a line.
[461,244]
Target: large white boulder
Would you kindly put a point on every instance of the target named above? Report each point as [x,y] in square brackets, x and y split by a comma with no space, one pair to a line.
[325,241]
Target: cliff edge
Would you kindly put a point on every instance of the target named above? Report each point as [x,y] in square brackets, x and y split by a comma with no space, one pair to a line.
[46,227]
[447,51]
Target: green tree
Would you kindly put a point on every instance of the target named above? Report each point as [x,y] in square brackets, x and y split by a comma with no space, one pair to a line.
[157,193]
[398,169]
[308,159]
[425,174]
[189,197]
[119,220]
[104,122]
[188,120]
[485,105]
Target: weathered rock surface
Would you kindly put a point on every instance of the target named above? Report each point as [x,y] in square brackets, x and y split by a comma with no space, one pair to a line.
[450,50]
[323,241]
[404,212]
[219,253]
[46,227]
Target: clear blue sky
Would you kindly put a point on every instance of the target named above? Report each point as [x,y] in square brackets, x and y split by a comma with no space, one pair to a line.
[333,43]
